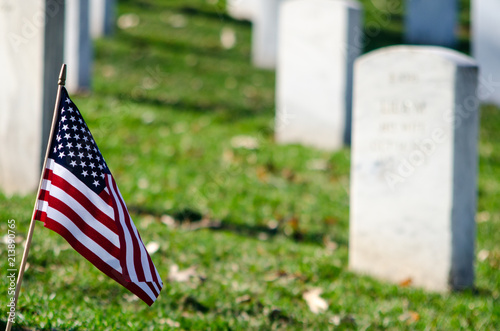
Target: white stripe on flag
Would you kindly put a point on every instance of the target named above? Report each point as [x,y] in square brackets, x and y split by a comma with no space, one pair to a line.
[144,286]
[45,184]
[84,239]
[85,215]
[80,186]
[129,248]
[144,254]
[42,205]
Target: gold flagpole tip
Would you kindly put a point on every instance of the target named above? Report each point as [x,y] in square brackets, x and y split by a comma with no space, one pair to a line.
[62,75]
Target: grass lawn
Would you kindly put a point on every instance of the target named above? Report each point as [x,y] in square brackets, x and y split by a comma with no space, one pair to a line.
[186,127]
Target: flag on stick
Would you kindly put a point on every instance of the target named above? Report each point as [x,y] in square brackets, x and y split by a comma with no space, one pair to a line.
[80,200]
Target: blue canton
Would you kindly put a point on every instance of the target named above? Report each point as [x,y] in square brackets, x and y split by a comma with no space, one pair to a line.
[74,148]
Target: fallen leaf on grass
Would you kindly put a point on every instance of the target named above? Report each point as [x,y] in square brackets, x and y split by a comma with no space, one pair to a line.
[262,174]
[130,297]
[181,276]
[329,244]
[409,317]
[482,217]
[127,21]
[169,322]
[152,247]
[316,303]
[243,299]
[317,164]
[204,223]
[288,174]
[281,274]
[483,255]
[245,142]
[168,221]
[228,38]
[405,283]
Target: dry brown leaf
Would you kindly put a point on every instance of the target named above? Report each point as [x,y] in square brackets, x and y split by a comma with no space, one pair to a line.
[245,142]
[228,38]
[317,164]
[262,174]
[316,303]
[288,174]
[244,299]
[483,255]
[168,221]
[409,317]
[152,247]
[483,216]
[204,223]
[294,223]
[176,275]
[329,244]
[405,283]
[169,322]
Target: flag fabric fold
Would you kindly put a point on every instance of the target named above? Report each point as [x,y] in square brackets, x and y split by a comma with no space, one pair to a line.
[80,200]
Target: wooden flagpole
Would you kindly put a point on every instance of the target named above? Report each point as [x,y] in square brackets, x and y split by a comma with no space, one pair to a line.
[61,83]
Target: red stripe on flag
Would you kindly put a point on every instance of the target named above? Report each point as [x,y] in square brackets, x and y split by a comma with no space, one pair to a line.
[97,262]
[84,201]
[130,247]
[84,227]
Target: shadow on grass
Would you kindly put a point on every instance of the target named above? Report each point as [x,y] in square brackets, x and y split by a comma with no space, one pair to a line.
[194,218]
[214,51]
[226,112]
[219,14]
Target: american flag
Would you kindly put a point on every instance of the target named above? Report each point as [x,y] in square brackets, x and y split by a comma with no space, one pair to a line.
[80,200]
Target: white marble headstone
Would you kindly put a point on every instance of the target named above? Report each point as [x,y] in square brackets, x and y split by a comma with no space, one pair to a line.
[486,47]
[431,22]
[414,166]
[319,41]
[241,9]
[265,33]
[31,54]
[102,17]
[77,46]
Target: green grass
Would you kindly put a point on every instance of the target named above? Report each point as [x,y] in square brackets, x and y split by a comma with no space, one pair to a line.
[165,106]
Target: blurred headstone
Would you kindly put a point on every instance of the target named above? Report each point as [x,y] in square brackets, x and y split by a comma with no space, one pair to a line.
[318,43]
[486,47]
[241,9]
[265,33]
[77,45]
[431,22]
[414,167]
[31,54]
[102,17]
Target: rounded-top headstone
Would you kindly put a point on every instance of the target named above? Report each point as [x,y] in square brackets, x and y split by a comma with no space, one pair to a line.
[31,54]
[486,47]
[431,22]
[318,43]
[414,166]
